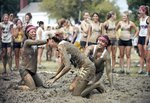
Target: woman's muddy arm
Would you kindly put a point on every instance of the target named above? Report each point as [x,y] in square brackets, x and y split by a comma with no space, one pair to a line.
[35,42]
[59,70]
[89,50]
[66,61]
[108,69]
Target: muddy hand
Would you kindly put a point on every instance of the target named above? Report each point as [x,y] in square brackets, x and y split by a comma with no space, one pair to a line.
[49,83]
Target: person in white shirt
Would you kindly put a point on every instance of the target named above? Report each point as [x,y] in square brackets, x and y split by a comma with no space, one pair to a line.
[143,10]
[40,36]
[6,31]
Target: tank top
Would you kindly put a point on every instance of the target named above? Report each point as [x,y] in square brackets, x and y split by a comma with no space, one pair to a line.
[111,30]
[143,27]
[42,35]
[6,32]
[82,37]
[96,32]
[92,56]
[19,37]
[125,32]
[79,34]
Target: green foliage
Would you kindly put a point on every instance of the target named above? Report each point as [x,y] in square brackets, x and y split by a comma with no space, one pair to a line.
[70,8]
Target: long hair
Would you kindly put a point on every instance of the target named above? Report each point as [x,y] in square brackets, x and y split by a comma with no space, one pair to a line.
[105,36]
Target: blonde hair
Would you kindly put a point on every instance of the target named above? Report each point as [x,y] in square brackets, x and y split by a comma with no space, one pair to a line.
[109,14]
[4,16]
[145,7]
[127,13]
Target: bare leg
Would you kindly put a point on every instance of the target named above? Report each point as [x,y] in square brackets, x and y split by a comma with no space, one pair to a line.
[40,51]
[128,52]
[17,57]
[81,85]
[9,57]
[37,80]
[121,48]
[73,84]
[141,52]
[148,61]
[99,86]
[4,59]
[114,50]
[30,85]
[109,49]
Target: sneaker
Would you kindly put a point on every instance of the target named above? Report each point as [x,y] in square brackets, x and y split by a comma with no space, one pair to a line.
[128,71]
[147,74]
[42,67]
[113,71]
[140,71]
[121,72]
[12,69]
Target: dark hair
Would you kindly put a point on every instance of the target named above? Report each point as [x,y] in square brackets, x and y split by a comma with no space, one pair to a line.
[26,34]
[109,14]
[61,22]
[86,12]
[97,15]
[17,21]
[29,14]
[48,27]
[105,36]
[59,37]
[10,13]
[40,22]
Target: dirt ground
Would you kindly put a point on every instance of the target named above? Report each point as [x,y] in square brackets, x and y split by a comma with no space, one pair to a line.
[128,89]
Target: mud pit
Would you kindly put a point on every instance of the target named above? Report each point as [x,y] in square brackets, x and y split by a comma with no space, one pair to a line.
[128,89]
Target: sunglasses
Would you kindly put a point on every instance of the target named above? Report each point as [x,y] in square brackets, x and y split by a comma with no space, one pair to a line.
[11,15]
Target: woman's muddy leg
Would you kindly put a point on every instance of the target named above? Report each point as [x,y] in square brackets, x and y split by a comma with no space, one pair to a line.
[80,86]
[96,85]
[9,58]
[30,85]
[37,80]
[73,84]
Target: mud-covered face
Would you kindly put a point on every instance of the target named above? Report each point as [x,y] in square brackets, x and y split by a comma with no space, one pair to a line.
[124,17]
[32,34]
[95,17]
[5,19]
[101,43]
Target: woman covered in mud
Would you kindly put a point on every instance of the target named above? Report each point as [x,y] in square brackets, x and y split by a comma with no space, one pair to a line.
[83,62]
[28,67]
[99,55]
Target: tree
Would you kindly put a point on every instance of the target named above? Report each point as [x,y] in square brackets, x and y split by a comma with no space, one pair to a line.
[12,6]
[70,8]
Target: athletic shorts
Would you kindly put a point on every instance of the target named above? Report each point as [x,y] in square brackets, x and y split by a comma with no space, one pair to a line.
[6,45]
[17,45]
[113,41]
[141,40]
[83,44]
[24,72]
[90,43]
[125,43]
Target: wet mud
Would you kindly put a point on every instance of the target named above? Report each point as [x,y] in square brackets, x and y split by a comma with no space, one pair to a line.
[128,89]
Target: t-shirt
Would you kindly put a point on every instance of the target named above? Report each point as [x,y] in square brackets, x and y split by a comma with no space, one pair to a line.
[6,32]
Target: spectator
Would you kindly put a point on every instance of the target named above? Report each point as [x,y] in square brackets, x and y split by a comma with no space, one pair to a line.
[40,36]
